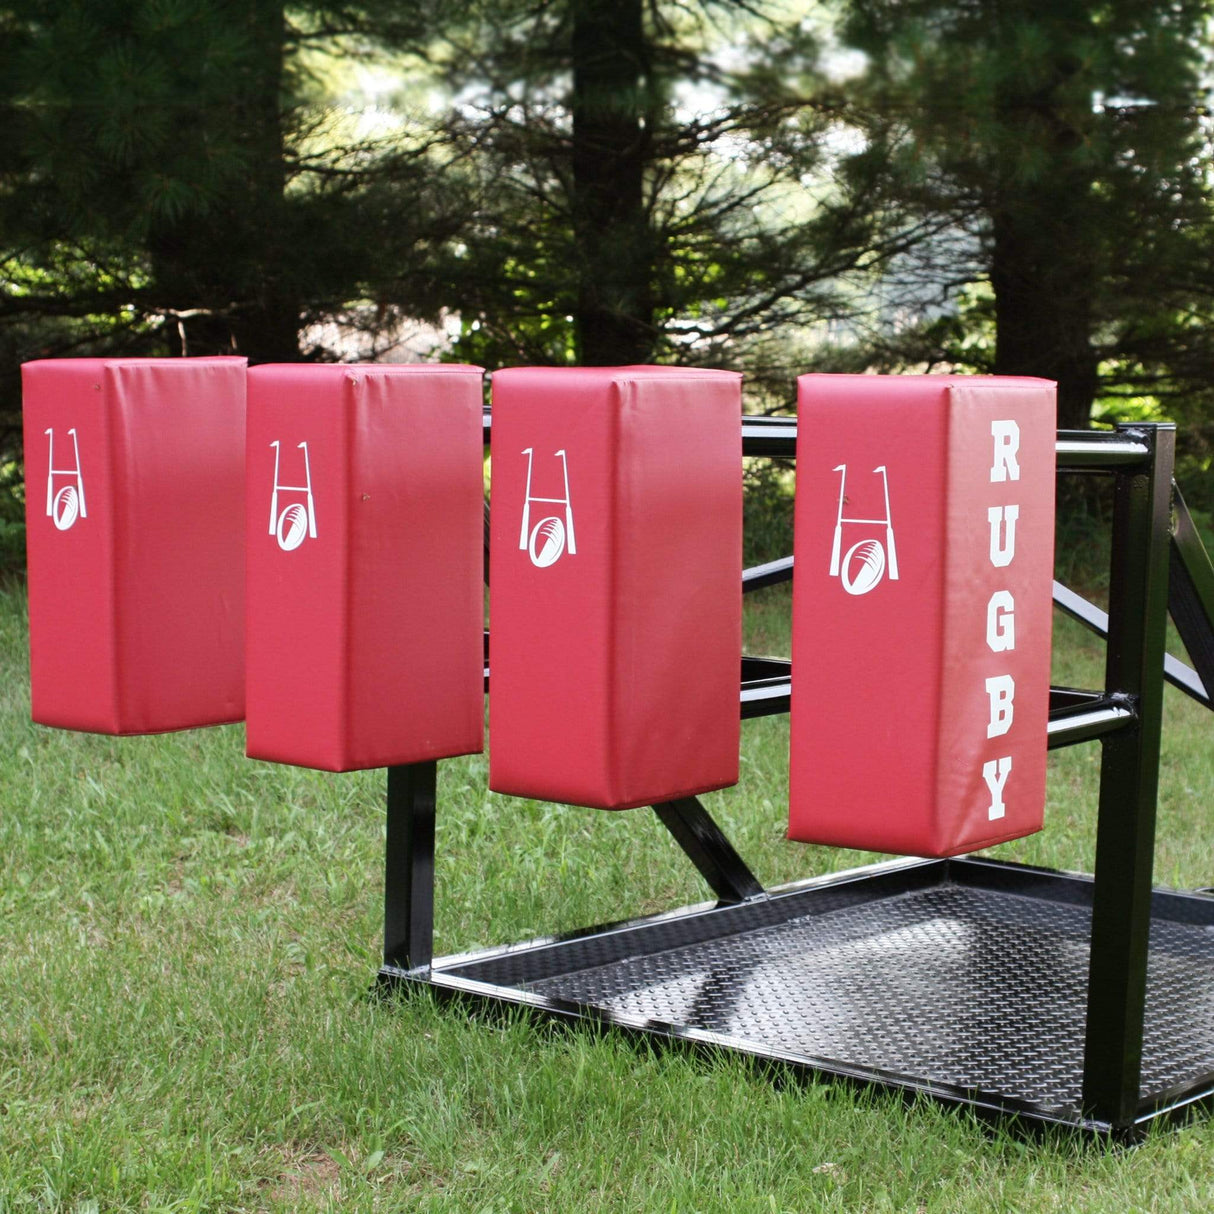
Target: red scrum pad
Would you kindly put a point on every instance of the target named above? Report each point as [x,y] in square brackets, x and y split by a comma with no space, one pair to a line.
[134,520]
[365,564]
[921,611]
[615,588]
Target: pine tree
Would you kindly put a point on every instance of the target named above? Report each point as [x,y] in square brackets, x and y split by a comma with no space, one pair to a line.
[167,167]
[641,175]
[1063,140]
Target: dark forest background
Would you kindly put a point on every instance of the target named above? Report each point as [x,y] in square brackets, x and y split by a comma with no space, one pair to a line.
[1006,186]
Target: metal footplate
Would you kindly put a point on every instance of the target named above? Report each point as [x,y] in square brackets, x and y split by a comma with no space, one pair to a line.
[962,979]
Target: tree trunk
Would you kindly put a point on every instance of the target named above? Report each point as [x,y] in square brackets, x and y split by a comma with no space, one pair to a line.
[1044,292]
[615,307]
[232,263]
[1048,241]
[267,327]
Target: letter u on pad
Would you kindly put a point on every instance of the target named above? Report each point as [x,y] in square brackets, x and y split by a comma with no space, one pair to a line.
[921,611]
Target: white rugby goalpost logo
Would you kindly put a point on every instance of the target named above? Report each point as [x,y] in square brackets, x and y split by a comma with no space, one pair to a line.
[64,507]
[552,536]
[298,520]
[867,560]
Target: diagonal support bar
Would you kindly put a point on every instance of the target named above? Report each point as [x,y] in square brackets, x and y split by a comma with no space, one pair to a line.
[1097,621]
[705,844]
[1191,590]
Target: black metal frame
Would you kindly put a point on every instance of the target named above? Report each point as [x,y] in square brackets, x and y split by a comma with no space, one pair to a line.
[1157,563]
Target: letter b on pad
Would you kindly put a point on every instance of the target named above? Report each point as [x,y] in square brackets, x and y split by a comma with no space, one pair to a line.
[921,611]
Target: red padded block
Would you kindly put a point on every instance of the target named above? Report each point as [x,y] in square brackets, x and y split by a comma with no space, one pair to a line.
[134,514]
[615,587]
[365,564]
[921,611]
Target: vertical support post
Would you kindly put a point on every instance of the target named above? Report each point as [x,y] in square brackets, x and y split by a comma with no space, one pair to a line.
[409,867]
[1129,775]
[486,543]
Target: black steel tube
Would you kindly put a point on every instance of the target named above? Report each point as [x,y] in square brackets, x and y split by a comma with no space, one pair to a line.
[1080,722]
[486,552]
[1088,721]
[1101,449]
[776,438]
[771,437]
[705,844]
[409,866]
[1129,777]
[770,573]
[761,695]
[765,697]
[765,668]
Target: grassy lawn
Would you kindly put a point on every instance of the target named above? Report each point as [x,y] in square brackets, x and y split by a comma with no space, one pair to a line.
[187,939]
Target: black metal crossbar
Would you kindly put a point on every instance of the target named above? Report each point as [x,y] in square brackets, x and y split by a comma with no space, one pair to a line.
[1044,996]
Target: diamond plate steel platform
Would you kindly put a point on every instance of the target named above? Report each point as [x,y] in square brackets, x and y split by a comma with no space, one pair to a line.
[966,979]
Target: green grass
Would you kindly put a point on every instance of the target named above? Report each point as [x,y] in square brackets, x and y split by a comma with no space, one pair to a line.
[187,939]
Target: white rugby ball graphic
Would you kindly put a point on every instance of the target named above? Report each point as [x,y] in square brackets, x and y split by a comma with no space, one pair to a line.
[292,527]
[547,542]
[66,507]
[863,566]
